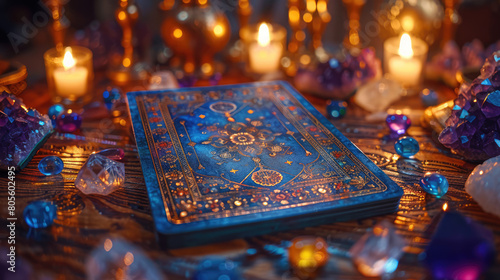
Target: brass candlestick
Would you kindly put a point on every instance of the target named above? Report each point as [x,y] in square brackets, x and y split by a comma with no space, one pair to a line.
[244,12]
[450,21]
[295,12]
[353,7]
[316,17]
[126,15]
[59,25]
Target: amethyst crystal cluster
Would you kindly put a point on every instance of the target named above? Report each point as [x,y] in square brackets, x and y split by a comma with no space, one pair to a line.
[473,127]
[451,59]
[21,130]
[339,78]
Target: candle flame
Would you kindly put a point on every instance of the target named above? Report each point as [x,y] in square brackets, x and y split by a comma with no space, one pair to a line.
[405,50]
[445,206]
[264,38]
[68,61]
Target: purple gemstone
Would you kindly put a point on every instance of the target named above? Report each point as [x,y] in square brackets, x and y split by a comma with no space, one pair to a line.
[187,81]
[113,153]
[398,124]
[215,79]
[69,121]
[3,119]
[459,249]
[448,136]
[491,105]
[472,129]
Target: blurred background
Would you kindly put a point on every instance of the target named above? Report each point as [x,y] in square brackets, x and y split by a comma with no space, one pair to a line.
[25,35]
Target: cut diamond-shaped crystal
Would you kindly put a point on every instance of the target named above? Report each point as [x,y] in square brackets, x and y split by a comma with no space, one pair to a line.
[378,252]
[100,175]
[119,259]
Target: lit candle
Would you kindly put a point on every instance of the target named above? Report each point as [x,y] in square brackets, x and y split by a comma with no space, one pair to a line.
[405,65]
[70,80]
[264,55]
[69,74]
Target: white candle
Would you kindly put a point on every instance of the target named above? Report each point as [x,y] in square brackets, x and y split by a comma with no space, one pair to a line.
[70,81]
[264,56]
[405,70]
[405,67]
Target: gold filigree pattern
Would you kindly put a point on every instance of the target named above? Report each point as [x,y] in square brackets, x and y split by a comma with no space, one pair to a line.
[266,177]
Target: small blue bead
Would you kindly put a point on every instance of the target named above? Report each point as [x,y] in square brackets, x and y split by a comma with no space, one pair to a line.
[111,95]
[406,146]
[429,97]
[336,109]
[216,269]
[50,165]
[435,184]
[40,214]
[54,112]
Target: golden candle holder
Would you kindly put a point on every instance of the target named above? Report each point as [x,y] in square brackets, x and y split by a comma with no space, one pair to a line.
[352,39]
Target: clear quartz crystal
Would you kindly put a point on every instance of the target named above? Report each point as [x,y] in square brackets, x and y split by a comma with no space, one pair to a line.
[100,175]
[118,259]
[378,252]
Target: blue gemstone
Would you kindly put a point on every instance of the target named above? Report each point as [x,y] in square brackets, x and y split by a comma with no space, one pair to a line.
[435,184]
[216,269]
[398,124]
[459,249]
[40,214]
[429,97]
[54,112]
[406,146]
[50,165]
[111,95]
[336,109]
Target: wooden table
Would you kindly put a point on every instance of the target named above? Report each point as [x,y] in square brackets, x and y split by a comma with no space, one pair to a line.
[84,221]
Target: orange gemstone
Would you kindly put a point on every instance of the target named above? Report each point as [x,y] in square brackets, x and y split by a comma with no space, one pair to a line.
[307,254]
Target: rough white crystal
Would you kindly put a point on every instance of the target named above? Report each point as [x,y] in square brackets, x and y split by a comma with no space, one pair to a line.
[100,175]
[377,95]
[483,185]
[119,259]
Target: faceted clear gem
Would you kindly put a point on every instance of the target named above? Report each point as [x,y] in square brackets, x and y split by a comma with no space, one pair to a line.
[50,165]
[378,251]
[398,124]
[307,255]
[429,97]
[483,185]
[215,268]
[460,249]
[54,112]
[40,214]
[113,153]
[100,175]
[406,146]
[69,121]
[162,80]
[119,259]
[336,109]
[435,184]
